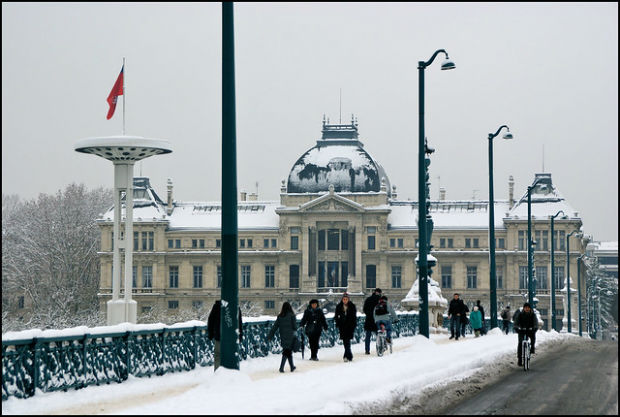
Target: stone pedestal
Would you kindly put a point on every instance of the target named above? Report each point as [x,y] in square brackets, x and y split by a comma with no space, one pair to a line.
[574,310]
[437,304]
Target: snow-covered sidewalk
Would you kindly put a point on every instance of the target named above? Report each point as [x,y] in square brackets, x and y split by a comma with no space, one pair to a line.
[329,386]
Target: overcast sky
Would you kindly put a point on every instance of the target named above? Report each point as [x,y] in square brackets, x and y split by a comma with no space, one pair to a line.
[547,70]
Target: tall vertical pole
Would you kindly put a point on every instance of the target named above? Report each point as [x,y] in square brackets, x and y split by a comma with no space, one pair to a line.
[530,293]
[579,295]
[230,279]
[124,93]
[568,294]
[552,276]
[493,276]
[422,261]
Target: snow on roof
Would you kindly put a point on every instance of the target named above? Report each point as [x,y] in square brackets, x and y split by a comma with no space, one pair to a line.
[251,215]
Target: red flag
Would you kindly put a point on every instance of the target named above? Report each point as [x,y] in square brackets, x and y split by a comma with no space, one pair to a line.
[117,90]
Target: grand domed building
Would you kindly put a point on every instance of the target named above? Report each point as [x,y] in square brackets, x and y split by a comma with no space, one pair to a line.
[338,226]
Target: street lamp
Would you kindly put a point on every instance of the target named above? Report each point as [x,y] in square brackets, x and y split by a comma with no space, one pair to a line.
[579,259]
[553,270]
[530,251]
[423,244]
[493,278]
[568,289]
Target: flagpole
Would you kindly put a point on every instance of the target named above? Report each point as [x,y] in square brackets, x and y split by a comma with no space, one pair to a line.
[124,94]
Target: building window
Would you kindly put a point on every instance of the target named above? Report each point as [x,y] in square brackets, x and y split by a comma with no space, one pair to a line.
[472,277]
[499,277]
[219,276]
[265,243]
[446,276]
[400,242]
[476,242]
[545,240]
[242,243]
[543,311]
[112,240]
[270,304]
[177,243]
[294,242]
[344,274]
[541,277]
[344,239]
[218,243]
[197,276]
[442,242]
[321,275]
[173,274]
[144,241]
[450,242]
[170,243]
[371,276]
[500,243]
[194,243]
[293,276]
[371,243]
[245,276]
[558,275]
[523,278]
[173,304]
[135,241]
[269,276]
[467,242]
[396,276]
[147,276]
[197,304]
[249,243]
[321,237]
[20,302]
[332,274]
[151,240]
[521,240]
[274,243]
[333,239]
[134,275]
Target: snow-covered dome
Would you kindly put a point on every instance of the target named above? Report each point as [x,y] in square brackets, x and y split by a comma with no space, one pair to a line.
[338,159]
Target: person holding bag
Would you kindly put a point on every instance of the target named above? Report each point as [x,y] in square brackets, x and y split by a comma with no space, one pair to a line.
[345,318]
[287,323]
[314,322]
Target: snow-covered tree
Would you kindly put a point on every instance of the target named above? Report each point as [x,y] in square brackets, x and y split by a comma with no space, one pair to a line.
[49,257]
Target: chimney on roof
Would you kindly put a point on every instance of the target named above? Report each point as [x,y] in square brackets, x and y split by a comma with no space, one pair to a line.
[253,197]
[242,195]
[442,193]
[394,195]
[511,191]
[169,199]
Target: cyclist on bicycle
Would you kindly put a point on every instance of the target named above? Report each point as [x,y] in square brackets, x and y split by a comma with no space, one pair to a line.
[383,312]
[526,322]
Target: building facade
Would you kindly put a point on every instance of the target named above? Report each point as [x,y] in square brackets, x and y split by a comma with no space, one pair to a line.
[338,226]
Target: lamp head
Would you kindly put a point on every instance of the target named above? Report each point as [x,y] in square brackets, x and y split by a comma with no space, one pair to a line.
[447,64]
[507,135]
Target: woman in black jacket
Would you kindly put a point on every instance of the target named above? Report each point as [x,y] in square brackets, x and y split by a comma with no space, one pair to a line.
[287,323]
[346,321]
[314,321]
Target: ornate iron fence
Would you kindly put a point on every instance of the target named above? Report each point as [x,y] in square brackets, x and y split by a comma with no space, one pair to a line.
[73,362]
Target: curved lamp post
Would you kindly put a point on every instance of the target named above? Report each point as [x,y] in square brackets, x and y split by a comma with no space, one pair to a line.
[568,292]
[423,244]
[493,278]
[553,270]
[531,288]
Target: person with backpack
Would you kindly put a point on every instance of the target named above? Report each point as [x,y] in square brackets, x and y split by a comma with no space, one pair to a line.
[476,321]
[382,314]
[314,322]
[505,315]
[345,318]
[286,322]
[369,324]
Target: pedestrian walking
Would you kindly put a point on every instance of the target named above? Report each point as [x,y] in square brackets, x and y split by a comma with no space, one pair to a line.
[506,318]
[483,330]
[286,322]
[214,333]
[346,321]
[369,324]
[314,323]
[476,321]
[455,310]
[464,319]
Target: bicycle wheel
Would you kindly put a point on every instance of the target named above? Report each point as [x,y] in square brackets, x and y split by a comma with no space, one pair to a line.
[380,344]
[526,355]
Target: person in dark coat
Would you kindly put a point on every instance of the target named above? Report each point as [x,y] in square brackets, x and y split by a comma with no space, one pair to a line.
[506,318]
[346,321]
[483,330]
[370,325]
[455,310]
[214,332]
[287,323]
[464,319]
[526,322]
[314,322]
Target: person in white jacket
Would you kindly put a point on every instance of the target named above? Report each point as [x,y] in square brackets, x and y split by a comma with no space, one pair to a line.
[383,313]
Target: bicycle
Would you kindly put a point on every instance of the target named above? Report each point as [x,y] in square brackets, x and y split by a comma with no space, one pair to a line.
[382,344]
[526,348]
